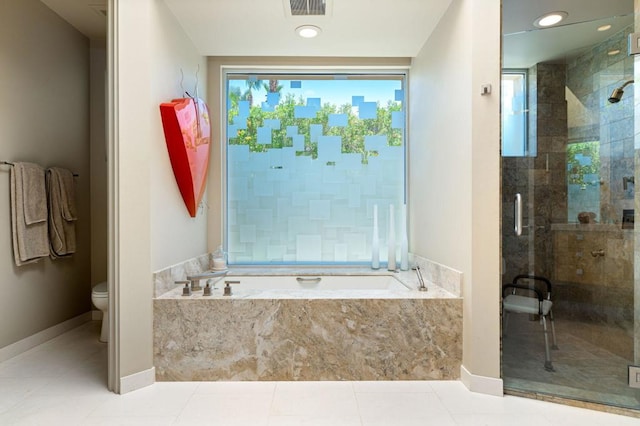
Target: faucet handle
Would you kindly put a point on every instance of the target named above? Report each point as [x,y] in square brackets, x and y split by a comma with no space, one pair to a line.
[227,287]
[186,291]
[207,290]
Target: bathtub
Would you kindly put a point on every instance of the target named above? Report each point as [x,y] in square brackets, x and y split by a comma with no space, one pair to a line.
[309,326]
[312,286]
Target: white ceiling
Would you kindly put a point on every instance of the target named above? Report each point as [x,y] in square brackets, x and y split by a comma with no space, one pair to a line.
[525,45]
[361,28]
[375,28]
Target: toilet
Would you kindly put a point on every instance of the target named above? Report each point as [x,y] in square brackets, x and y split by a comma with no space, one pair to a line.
[100,299]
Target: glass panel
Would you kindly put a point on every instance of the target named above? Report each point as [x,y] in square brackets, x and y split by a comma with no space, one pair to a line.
[578,212]
[514,117]
[308,157]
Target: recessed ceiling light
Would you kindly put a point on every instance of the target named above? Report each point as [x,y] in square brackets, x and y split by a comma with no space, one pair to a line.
[613,52]
[604,27]
[550,19]
[308,31]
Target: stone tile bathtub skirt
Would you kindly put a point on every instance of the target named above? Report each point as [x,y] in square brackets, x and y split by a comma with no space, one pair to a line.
[317,339]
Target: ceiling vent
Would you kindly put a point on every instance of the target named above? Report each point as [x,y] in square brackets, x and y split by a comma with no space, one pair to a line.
[308,7]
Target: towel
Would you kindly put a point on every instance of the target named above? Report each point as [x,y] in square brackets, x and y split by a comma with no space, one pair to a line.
[28,213]
[62,212]
[34,196]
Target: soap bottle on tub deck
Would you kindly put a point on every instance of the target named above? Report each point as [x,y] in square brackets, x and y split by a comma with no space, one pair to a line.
[219,259]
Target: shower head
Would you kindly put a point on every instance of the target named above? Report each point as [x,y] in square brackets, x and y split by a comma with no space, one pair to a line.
[617,93]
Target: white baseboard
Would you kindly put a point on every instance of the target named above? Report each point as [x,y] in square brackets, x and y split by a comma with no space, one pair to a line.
[96,315]
[137,380]
[32,341]
[481,384]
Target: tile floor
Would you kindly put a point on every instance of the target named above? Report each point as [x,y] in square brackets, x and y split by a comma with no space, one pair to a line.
[62,382]
[583,371]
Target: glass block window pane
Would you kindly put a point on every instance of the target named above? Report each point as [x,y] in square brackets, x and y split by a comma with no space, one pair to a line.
[308,156]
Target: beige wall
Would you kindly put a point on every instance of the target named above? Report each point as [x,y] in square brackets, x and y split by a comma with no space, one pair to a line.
[175,236]
[44,82]
[454,167]
[98,154]
[217,169]
[153,227]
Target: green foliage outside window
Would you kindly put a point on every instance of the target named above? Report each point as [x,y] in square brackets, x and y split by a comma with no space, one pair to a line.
[353,135]
[577,167]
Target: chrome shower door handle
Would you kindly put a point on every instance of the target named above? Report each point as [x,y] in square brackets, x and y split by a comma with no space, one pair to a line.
[517,213]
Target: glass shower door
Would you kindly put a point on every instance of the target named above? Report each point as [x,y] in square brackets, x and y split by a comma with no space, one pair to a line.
[574,222]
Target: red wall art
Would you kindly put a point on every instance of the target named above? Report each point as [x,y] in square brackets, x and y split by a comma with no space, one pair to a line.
[187,132]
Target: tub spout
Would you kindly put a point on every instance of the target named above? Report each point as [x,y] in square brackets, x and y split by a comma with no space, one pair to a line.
[195,279]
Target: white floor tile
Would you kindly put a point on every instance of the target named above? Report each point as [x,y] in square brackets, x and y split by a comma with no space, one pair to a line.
[51,410]
[392,386]
[319,400]
[311,421]
[217,422]
[436,420]
[398,407]
[63,382]
[73,385]
[14,390]
[501,420]
[458,400]
[562,415]
[162,399]
[227,409]
[233,388]
[314,387]
[129,421]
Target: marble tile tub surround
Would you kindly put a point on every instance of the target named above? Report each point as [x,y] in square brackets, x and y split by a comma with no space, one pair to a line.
[312,335]
[318,335]
[434,274]
[164,279]
[229,338]
[440,275]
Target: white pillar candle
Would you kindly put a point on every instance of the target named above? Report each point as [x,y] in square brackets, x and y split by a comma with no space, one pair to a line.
[375,242]
[391,263]
[404,242]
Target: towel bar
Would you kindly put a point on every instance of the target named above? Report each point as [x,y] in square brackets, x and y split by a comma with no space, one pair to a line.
[8,163]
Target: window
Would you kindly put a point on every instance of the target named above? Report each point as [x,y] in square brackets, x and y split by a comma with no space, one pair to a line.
[583,179]
[514,115]
[308,156]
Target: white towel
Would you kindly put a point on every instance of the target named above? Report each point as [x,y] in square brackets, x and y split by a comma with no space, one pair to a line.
[62,212]
[29,230]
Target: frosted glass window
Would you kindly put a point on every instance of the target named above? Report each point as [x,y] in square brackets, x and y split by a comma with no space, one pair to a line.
[514,115]
[308,156]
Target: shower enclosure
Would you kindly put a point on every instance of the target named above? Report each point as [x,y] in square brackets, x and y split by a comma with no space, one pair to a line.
[570,155]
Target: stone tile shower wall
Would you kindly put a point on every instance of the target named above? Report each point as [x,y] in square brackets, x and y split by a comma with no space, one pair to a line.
[597,292]
[591,77]
[541,179]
